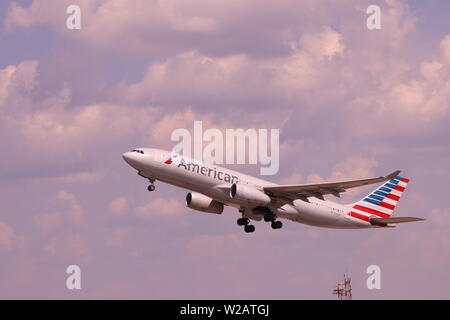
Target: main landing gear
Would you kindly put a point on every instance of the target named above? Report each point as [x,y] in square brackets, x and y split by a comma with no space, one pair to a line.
[245,222]
[270,217]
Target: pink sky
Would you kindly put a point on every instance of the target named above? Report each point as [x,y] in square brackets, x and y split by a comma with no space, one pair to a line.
[349,103]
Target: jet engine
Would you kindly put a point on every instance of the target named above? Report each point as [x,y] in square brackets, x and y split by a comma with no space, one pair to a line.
[200,202]
[248,195]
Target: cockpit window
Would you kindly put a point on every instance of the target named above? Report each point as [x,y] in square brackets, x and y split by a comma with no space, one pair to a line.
[138,151]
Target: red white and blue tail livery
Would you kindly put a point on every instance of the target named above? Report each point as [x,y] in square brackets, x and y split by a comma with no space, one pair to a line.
[381,202]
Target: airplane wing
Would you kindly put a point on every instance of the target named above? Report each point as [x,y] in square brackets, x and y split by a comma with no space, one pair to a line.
[318,190]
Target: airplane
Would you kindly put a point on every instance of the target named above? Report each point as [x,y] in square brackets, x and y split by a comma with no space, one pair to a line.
[213,187]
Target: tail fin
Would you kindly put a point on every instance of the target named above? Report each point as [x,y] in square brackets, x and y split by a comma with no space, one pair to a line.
[381,202]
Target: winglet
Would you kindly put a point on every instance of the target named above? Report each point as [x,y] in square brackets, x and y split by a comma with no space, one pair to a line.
[392,175]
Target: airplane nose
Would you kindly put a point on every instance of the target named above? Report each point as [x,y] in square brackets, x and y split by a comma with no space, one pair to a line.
[133,159]
[128,157]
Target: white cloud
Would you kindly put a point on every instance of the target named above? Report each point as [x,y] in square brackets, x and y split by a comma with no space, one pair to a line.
[72,246]
[328,43]
[17,81]
[352,168]
[115,237]
[118,205]
[162,208]
[213,245]
[445,47]
[85,176]
[6,235]
[69,211]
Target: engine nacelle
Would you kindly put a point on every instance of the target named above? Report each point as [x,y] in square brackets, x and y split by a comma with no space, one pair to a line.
[249,195]
[200,202]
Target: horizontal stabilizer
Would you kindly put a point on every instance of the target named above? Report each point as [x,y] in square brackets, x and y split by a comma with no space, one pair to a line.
[385,221]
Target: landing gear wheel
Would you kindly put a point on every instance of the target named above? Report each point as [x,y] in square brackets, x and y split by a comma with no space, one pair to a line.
[269,217]
[151,187]
[243,221]
[277,224]
[249,228]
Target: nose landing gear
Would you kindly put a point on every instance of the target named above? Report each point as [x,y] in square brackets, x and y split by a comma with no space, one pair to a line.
[151,187]
[152,180]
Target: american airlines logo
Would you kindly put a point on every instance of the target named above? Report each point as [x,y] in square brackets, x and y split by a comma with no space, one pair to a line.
[204,170]
[237,146]
[169,161]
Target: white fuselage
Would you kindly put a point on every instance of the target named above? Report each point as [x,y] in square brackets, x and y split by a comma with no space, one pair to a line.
[215,182]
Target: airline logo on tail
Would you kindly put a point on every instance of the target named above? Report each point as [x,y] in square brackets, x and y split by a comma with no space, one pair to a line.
[381,202]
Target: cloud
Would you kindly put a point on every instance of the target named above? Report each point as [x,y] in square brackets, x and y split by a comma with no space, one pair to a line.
[445,47]
[25,272]
[170,209]
[213,245]
[440,218]
[84,176]
[63,140]
[5,82]
[6,235]
[16,82]
[327,43]
[69,212]
[294,178]
[69,246]
[118,205]
[426,245]
[170,26]
[116,237]
[353,167]
[200,79]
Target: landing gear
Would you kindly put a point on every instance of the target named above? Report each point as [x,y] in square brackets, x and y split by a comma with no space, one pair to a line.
[276,224]
[245,222]
[249,228]
[270,217]
[258,214]
[151,187]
